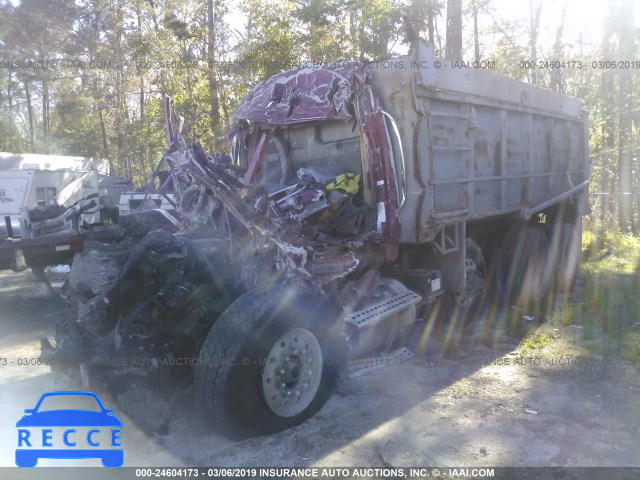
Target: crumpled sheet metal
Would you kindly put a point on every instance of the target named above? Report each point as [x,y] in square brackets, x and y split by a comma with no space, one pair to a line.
[271,226]
[324,94]
[302,95]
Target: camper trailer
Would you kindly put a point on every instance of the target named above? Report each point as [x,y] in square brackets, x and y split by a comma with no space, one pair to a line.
[36,187]
[44,202]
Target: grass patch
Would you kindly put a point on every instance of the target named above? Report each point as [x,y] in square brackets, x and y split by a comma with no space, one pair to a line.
[567,314]
[536,341]
[610,251]
[604,308]
[462,388]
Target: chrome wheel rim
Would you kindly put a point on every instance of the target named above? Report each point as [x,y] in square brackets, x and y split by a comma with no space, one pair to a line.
[292,372]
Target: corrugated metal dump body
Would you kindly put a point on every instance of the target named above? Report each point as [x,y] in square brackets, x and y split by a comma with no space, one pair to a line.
[477,144]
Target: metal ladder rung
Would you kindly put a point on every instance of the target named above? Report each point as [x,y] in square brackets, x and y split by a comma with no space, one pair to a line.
[435,113]
[450,214]
[362,366]
[463,148]
[386,308]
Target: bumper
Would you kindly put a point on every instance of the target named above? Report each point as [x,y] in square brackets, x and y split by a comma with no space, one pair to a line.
[47,250]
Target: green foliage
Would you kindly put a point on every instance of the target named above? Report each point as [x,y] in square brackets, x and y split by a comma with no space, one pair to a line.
[11,138]
[507,56]
[75,128]
[146,48]
[536,341]
[125,55]
[611,250]
[604,309]
[269,45]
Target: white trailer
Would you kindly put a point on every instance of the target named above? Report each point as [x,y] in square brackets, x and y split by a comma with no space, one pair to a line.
[32,181]
[45,200]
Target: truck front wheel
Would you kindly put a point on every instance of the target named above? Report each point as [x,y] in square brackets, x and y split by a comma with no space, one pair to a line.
[268,363]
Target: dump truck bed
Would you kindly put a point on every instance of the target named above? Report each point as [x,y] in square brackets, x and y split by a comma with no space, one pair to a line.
[476,144]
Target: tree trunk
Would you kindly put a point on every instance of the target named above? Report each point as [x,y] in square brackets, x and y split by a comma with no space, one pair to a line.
[476,38]
[120,93]
[534,27]
[9,94]
[141,100]
[604,199]
[438,36]
[625,95]
[353,31]
[453,48]
[636,189]
[556,73]
[431,28]
[32,133]
[211,57]
[361,37]
[45,115]
[139,16]
[105,147]
[225,107]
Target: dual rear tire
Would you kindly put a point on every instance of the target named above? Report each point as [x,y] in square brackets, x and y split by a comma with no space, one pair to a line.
[535,263]
[524,274]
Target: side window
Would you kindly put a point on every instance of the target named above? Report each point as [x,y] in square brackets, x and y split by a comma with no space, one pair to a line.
[45,196]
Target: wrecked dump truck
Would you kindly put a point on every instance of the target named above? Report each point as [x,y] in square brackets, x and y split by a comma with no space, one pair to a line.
[356,196]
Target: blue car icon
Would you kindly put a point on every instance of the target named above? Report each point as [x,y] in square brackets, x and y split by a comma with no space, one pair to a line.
[28,455]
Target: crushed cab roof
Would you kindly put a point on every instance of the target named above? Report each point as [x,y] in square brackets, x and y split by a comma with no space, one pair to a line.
[302,95]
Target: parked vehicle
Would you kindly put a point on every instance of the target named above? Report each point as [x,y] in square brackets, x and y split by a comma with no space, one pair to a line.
[46,202]
[139,201]
[358,194]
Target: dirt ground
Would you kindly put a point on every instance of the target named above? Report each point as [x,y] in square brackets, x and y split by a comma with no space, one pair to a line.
[504,405]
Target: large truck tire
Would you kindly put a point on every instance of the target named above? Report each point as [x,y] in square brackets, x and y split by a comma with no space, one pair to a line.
[566,250]
[268,363]
[523,273]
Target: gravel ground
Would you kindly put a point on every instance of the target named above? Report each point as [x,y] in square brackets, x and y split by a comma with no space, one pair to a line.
[485,407]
